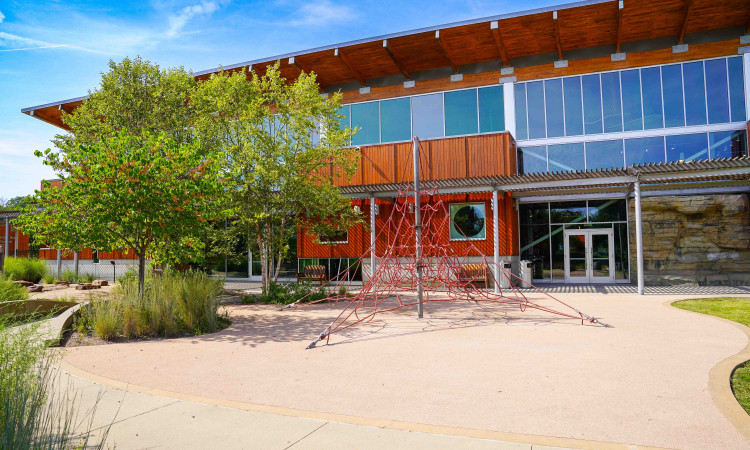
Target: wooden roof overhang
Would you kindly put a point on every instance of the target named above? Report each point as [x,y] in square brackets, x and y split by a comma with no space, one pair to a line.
[502,38]
[664,177]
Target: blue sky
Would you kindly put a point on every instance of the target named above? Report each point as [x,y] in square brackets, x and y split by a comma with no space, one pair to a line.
[53,51]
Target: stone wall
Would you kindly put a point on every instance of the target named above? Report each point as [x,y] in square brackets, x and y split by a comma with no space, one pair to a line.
[697,239]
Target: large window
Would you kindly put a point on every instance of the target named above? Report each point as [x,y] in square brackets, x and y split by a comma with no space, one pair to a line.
[451,113]
[676,95]
[618,153]
[467,221]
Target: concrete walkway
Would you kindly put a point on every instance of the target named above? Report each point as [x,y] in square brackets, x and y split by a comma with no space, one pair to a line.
[467,370]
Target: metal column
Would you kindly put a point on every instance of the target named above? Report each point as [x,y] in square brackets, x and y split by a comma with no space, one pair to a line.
[496,241]
[75,265]
[417,227]
[373,259]
[7,232]
[638,234]
[59,263]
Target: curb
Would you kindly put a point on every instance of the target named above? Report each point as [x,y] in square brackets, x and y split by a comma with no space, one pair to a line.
[720,376]
[529,439]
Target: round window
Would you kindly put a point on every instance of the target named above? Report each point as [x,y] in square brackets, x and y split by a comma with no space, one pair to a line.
[468,221]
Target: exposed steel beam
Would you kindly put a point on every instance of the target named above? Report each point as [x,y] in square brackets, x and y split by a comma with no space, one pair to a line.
[620,15]
[344,58]
[557,35]
[399,64]
[497,35]
[688,7]
[447,53]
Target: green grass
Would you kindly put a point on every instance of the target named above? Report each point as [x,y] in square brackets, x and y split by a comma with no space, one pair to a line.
[737,310]
[32,269]
[9,291]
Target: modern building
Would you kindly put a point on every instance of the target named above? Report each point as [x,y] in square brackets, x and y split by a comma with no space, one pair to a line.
[604,141]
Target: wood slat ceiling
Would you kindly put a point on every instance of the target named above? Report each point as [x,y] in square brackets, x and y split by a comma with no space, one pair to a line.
[582,26]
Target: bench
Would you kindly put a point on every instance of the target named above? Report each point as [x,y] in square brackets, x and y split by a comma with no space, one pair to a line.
[313,273]
[472,273]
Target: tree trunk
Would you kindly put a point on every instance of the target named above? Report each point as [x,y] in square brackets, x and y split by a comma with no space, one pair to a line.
[262,250]
[141,274]
[281,251]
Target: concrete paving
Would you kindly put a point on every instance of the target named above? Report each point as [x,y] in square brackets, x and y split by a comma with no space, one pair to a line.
[466,366]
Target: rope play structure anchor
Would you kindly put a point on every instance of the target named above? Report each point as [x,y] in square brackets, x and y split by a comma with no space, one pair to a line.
[418,267]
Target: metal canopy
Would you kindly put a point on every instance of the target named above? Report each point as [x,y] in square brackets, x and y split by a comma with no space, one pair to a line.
[732,171]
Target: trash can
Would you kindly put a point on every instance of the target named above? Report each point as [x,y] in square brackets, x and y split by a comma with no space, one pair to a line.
[526,273]
[504,279]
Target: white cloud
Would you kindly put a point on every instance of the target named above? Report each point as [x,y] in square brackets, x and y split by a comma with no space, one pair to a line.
[321,13]
[2,17]
[15,43]
[177,22]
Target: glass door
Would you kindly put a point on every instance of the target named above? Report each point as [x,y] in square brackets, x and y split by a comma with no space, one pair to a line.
[589,256]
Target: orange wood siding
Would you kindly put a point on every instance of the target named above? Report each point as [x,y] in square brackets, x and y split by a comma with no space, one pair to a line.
[86,254]
[23,240]
[459,157]
[359,236]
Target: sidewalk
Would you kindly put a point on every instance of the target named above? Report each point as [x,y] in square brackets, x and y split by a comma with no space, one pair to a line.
[148,421]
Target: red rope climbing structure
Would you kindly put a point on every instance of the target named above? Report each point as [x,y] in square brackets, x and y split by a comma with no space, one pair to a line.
[396,279]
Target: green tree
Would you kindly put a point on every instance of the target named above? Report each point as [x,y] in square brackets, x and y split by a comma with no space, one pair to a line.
[284,148]
[148,193]
[15,203]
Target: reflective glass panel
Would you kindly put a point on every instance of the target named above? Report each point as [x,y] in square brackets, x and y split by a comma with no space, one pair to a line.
[686,147]
[577,255]
[727,144]
[717,91]
[532,160]
[427,116]
[535,101]
[621,251]
[535,248]
[573,106]
[467,221]
[674,112]
[461,112]
[567,212]
[553,99]
[631,100]
[736,89]
[600,255]
[366,116]
[519,97]
[695,93]
[644,151]
[557,248]
[344,121]
[491,109]
[603,155]
[533,213]
[566,157]
[611,102]
[651,88]
[395,120]
[592,104]
[607,210]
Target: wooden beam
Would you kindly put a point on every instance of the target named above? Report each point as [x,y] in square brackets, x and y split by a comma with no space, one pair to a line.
[557,35]
[61,108]
[747,26]
[620,15]
[447,54]
[497,35]
[688,6]
[348,63]
[401,67]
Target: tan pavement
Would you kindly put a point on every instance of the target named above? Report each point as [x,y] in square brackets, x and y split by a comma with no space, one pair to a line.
[465,370]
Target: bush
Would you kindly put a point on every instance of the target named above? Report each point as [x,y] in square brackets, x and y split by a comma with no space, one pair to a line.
[38,411]
[49,279]
[284,294]
[86,278]
[31,270]
[10,291]
[172,304]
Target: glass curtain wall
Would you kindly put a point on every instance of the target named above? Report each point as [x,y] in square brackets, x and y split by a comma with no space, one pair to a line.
[675,95]
[442,114]
[347,268]
[619,153]
[542,227]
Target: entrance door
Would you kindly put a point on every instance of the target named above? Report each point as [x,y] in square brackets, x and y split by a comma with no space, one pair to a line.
[589,256]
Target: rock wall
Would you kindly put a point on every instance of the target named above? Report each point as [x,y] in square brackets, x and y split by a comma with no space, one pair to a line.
[698,239]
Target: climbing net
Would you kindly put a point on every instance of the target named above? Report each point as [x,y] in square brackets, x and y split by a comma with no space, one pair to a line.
[447,274]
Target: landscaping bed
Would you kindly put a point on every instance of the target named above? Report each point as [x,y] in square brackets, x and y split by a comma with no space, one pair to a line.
[736,309]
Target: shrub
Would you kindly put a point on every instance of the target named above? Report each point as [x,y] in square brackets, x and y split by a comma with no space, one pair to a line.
[25,269]
[69,276]
[49,279]
[38,411]
[172,304]
[283,294]
[86,278]
[10,291]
